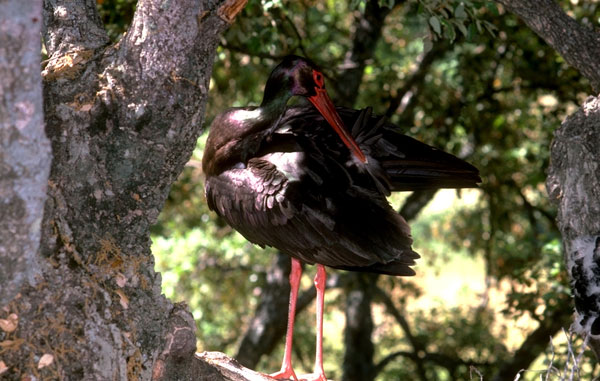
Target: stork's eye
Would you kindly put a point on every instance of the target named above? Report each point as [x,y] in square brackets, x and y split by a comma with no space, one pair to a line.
[318,78]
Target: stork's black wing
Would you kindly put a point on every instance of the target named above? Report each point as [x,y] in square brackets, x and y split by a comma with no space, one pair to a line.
[408,163]
[303,196]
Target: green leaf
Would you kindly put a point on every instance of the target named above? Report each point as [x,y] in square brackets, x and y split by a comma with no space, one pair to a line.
[492,7]
[435,24]
[491,28]
[461,26]
[387,3]
[479,27]
[450,33]
[354,4]
[460,12]
[472,31]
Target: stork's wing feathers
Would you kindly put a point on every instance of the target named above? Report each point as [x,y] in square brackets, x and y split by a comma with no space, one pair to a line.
[305,194]
[252,195]
[270,208]
[408,164]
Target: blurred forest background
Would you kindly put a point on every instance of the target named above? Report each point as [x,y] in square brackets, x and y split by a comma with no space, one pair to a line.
[491,289]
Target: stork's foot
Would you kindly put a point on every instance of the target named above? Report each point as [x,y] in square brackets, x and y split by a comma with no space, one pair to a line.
[285,374]
[288,374]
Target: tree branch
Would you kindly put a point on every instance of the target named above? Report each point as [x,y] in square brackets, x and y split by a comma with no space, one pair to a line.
[367,33]
[359,349]
[218,367]
[416,345]
[415,203]
[72,25]
[576,43]
[164,36]
[416,78]
[573,184]
[448,362]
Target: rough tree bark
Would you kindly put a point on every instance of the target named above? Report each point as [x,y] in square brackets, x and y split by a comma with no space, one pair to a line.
[122,120]
[573,180]
[24,148]
[574,184]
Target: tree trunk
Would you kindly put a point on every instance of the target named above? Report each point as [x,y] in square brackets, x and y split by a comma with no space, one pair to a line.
[573,180]
[368,31]
[122,120]
[358,355]
[24,149]
[574,184]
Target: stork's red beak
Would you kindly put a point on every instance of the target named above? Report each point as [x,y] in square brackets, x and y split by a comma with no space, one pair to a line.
[323,103]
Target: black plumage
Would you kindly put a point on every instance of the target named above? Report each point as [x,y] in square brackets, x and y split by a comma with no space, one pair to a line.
[301,190]
[297,179]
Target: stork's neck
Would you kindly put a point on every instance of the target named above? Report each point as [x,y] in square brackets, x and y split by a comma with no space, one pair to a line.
[237,134]
[274,102]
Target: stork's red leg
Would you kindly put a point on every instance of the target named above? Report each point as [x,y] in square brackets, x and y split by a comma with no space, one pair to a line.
[320,279]
[287,372]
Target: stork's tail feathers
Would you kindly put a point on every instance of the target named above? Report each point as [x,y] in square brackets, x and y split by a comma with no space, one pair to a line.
[408,163]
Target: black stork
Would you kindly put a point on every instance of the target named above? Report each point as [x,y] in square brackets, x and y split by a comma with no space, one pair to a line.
[295,178]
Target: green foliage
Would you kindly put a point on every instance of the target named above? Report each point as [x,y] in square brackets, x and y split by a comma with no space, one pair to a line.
[116,16]
[449,18]
[449,333]
[205,263]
